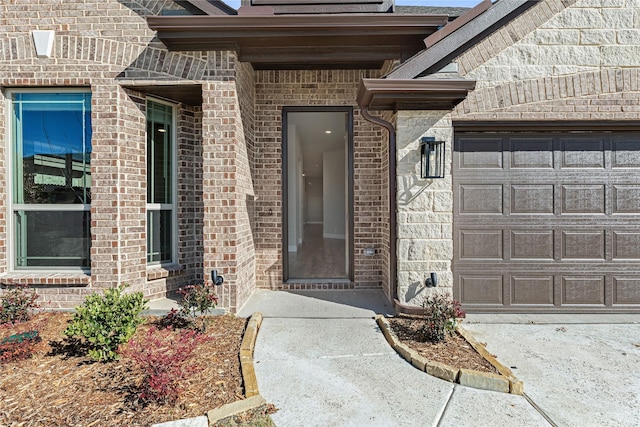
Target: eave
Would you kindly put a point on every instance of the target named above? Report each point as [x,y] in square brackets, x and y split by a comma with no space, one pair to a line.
[302,41]
[413,94]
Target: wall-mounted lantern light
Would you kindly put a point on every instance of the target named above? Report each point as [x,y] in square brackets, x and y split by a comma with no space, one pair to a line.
[431,158]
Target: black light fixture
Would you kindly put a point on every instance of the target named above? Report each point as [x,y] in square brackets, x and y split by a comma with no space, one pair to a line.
[431,158]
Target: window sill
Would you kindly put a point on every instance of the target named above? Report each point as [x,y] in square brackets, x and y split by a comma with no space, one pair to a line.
[46,278]
[163,271]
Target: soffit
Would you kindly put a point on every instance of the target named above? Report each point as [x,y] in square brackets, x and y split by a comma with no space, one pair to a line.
[302,41]
[190,94]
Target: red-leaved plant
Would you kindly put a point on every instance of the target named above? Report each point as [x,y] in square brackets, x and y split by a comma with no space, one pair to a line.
[197,300]
[18,346]
[17,303]
[163,355]
[441,314]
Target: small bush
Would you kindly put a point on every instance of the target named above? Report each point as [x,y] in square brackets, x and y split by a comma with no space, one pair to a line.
[106,321]
[441,317]
[18,346]
[17,303]
[196,301]
[162,354]
[174,319]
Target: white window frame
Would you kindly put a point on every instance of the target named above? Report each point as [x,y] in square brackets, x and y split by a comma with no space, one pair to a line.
[13,207]
[174,187]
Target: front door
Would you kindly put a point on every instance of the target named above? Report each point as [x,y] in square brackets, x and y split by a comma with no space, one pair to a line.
[317,193]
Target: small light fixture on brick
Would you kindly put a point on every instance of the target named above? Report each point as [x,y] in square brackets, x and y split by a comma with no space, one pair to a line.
[431,158]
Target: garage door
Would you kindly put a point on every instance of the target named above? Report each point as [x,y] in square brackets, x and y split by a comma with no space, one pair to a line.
[547,221]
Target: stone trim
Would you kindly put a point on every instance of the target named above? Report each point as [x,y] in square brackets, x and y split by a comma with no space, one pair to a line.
[505,382]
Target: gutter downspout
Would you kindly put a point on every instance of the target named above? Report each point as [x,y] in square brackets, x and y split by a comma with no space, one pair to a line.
[393,280]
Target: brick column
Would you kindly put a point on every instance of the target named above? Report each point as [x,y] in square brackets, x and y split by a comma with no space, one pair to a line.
[118,207]
[227,187]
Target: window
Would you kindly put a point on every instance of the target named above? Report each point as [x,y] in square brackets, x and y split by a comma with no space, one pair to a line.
[50,179]
[160,183]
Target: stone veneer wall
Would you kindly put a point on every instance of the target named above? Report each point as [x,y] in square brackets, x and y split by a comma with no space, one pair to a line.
[425,207]
[277,89]
[106,45]
[560,60]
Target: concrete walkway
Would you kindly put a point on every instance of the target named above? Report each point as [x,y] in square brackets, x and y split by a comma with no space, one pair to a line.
[321,359]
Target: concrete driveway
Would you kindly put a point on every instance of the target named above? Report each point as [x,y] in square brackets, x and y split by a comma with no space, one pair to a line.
[576,372]
[321,359]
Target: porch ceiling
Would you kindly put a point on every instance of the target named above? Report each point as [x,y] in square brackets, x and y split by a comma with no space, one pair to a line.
[415,94]
[302,42]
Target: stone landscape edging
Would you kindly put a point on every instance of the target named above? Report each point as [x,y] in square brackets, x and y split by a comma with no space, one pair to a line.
[253,399]
[505,382]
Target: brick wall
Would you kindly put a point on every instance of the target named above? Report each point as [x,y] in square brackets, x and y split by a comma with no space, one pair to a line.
[106,45]
[276,89]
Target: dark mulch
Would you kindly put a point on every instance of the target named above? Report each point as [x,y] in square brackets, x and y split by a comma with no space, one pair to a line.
[60,386]
[455,351]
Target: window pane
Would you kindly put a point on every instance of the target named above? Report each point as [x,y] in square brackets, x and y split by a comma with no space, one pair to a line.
[52,148]
[159,153]
[159,236]
[52,239]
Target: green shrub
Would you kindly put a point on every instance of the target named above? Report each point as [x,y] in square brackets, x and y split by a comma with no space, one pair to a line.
[107,320]
[441,317]
[17,303]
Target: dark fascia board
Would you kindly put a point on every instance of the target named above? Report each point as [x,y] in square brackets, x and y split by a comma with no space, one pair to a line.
[350,40]
[325,6]
[546,126]
[444,51]
[413,94]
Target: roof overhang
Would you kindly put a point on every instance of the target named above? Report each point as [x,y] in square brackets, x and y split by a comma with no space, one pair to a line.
[413,94]
[186,93]
[302,41]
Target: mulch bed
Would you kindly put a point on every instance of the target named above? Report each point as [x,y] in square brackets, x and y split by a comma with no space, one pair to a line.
[455,351]
[61,386]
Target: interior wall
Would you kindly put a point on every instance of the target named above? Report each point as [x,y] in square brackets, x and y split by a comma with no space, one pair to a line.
[313,201]
[334,184]
[293,192]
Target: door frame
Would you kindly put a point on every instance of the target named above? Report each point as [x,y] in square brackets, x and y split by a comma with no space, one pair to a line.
[285,186]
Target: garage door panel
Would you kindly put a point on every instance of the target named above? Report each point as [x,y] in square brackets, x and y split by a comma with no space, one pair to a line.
[532,290]
[583,290]
[626,245]
[626,290]
[626,199]
[485,199]
[532,153]
[626,152]
[551,223]
[482,290]
[533,245]
[480,244]
[532,199]
[583,199]
[582,153]
[480,153]
[586,245]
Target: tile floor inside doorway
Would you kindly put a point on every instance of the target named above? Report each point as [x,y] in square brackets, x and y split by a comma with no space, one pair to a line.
[318,257]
